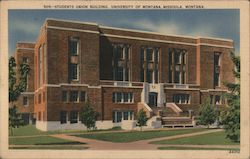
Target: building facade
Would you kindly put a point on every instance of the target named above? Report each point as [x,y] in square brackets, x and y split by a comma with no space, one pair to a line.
[120,71]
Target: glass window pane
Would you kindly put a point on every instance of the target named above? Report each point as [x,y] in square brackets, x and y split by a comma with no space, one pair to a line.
[125,96]
[125,115]
[73,46]
[177,58]
[74,96]
[119,117]
[83,96]
[73,117]
[25,101]
[177,77]
[119,74]
[74,71]
[63,117]
[119,97]
[149,53]
[64,96]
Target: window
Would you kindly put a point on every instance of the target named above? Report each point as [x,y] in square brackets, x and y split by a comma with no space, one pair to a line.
[63,117]
[177,77]
[74,59]
[64,96]
[74,96]
[217,100]
[74,71]
[125,115]
[25,60]
[39,98]
[45,61]
[73,117]
[25,101]
[119,74]
[149,64]
[83,96]
[121,67]
[43,96]
[118,116]
[216,69]
[122,97]
[150,55]
[177,58]
[177,65]
[40,56]
[73,46]
[181,98]
[118,97]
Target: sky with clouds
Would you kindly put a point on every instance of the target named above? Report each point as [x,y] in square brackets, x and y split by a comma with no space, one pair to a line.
[24,25]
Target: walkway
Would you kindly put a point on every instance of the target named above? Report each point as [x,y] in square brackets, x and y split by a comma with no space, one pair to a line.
[138,145]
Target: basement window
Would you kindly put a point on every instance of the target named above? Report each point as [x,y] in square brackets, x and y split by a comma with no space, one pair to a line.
[181,98]
[63,117]
[73,117]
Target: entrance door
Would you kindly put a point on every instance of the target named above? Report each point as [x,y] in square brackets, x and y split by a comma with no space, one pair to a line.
[152,99]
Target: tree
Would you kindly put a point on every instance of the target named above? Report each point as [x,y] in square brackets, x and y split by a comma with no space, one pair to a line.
[15,90]
[141,118]
[15,119]
[88,116]
[231,116]
[207,113]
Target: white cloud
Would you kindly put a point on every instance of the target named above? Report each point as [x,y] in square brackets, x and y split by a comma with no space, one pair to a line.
[26,27]
[172,27]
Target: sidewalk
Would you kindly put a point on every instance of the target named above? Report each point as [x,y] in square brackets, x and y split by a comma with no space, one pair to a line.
[139,145]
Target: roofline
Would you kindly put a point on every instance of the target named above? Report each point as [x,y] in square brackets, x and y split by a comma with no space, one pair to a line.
[157,33]
[140,31]
[27,42]
[71,21]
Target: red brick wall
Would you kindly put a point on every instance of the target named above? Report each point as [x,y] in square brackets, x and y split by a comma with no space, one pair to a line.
[207,66]
[58,56]
[25,50]
[109,106]
[194,99]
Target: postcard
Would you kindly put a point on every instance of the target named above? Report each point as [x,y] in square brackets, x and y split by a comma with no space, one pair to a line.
[124,79]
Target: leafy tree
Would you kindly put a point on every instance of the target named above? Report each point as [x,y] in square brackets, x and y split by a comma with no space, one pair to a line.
[207,113]
[141,118]
[88,116]
[15,90]
[231,116]
[15,118]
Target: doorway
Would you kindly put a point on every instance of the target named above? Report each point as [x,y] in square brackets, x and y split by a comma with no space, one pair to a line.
[152,99]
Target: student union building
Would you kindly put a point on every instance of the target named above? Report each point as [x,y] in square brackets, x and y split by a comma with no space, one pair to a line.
[120,71]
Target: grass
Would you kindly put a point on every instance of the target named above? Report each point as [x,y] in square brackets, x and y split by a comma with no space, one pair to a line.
[195,148]
[41,140]
[31,130]
[137,135]
[52,148]
[217,138]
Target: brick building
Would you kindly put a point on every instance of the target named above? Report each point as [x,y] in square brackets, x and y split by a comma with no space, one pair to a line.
[120,71]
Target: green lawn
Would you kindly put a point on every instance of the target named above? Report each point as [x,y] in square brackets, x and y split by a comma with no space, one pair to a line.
[30,130]
[41,140]
[195,148]
[67,147]
[217,138]
[137,135]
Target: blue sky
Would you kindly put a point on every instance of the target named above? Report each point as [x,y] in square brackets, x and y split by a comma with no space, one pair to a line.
[24,25]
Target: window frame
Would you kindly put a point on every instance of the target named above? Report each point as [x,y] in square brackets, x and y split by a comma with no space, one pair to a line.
[74,120]
[25,101]
[72,97]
